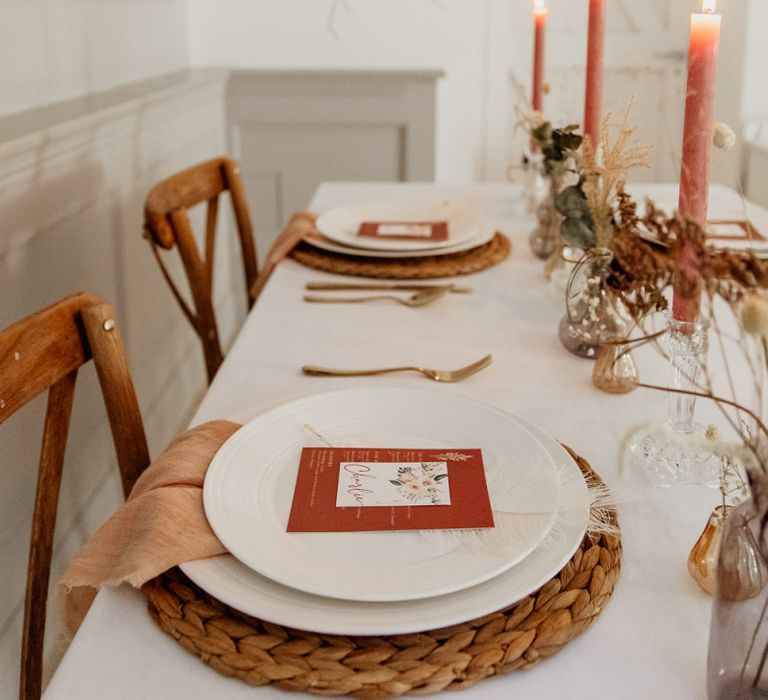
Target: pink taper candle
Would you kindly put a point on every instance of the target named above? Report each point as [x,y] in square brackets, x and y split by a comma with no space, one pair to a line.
[540,14]
[697,142]
[593,103]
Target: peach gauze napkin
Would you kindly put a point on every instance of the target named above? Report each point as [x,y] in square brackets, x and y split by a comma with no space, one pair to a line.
[301,225]
[162,524]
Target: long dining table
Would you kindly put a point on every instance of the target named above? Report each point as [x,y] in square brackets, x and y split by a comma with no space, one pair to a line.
[650,640]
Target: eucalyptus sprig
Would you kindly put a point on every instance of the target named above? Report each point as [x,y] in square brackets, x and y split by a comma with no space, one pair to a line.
[560,147]
[577,229]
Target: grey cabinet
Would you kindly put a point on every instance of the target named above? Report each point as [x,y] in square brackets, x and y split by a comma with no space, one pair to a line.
[293,130]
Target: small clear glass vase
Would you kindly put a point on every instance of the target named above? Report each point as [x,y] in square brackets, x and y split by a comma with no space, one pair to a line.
[593,314]
[737,664]
[545,238]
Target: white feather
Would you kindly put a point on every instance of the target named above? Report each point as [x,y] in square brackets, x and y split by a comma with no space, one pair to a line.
[516,521]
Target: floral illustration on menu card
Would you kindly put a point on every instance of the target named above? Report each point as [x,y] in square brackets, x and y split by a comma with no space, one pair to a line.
[421,483]
[372,484]
[453,457]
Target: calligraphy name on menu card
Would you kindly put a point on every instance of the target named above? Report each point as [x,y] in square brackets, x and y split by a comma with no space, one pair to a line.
[405,230]
[346,489]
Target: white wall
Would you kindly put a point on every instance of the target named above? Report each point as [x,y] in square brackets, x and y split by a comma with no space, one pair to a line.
[755,95]
[411,34]
[480,44]
[56,49]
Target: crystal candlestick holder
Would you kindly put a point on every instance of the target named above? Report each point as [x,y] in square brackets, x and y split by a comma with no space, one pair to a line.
[678,451]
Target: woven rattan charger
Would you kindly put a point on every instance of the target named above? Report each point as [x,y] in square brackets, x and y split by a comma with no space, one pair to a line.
[454,657]
[429,267]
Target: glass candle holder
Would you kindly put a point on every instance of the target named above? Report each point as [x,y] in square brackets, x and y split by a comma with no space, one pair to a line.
[677,451]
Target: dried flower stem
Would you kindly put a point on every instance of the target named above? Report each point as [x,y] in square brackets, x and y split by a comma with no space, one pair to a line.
[604,170]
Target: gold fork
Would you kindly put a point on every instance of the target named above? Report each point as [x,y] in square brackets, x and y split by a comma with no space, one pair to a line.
[420,298]
[438,375]
[385,287]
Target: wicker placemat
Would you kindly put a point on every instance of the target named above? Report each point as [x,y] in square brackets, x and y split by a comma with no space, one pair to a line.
[455,657]
[487,255]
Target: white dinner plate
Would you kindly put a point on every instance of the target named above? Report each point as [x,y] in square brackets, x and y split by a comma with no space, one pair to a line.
[249,487]
[465,217]
[242,588]
[484,234]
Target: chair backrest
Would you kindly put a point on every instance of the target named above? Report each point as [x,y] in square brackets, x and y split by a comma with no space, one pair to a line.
[167,224]
[44,352]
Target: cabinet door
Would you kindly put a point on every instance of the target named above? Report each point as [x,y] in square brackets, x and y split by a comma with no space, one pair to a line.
[293,130]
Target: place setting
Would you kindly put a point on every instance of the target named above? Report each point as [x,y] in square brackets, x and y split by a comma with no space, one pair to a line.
[371,521]
[404,239]
[307,497]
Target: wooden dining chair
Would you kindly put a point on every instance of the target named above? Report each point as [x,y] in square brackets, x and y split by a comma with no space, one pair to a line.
[44,352]
[167,224]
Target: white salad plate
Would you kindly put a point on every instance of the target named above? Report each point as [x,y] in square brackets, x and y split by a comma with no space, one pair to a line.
[483,235]
[249,489]
[465,218]
[235,584]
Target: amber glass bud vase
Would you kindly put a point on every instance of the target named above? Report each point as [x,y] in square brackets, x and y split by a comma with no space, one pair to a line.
[702,561]
[615,371]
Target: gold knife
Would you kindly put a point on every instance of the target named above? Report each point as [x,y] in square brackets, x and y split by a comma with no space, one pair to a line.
[340,287]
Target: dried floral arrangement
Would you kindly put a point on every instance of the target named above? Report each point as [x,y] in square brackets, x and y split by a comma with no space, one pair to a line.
[591,209]
[640,270]
[731,281]
[599,213]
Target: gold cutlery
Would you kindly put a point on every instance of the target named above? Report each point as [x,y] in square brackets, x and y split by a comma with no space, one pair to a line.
[438,375]
[420,298]
[340,287]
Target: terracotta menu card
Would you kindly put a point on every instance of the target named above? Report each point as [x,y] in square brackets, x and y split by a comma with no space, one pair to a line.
[722,230]
[428,231]
[347,489]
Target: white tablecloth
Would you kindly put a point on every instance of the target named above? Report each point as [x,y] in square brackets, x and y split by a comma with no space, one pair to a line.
[650,641]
